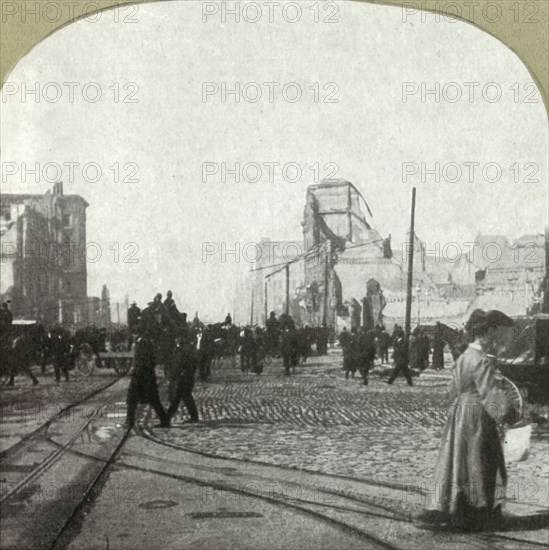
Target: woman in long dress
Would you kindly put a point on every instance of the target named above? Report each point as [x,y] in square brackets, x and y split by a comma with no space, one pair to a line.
[470,477]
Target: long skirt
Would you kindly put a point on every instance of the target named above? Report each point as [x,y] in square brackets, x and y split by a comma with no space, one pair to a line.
[470,476]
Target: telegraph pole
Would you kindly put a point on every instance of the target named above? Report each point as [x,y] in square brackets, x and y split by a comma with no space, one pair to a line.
[252,309]
[287,289]
[265,296]
[326,281]
[545,304]
[410,271]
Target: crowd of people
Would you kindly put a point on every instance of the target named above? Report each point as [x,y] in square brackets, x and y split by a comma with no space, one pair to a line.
[162,335]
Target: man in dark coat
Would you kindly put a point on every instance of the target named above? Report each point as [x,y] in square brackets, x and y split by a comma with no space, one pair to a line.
[438,348]
[289,349]
[206,351]
[273,332]
[133,317]
[366,349]
[247,350]
[61,350]
[304,343]
[400,355]
[6,316]
[20,358]
[351,354]
[143,387]
[186,363]
[383,343]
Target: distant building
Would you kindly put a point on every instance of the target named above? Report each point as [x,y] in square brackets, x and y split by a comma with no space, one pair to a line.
[43,258]
[345,273]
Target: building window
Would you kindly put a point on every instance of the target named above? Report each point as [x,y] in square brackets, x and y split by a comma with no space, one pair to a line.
[67,220]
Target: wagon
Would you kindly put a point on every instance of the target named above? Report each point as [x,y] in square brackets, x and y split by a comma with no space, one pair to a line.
[120,361]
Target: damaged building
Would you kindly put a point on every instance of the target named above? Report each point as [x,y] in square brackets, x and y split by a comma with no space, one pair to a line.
[43,260]
[349,275]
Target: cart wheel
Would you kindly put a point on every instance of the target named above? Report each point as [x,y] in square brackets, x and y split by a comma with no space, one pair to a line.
[513,394]
[85,364]
[122,366]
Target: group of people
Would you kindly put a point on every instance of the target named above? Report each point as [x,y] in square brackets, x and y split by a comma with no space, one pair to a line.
[361,347]
[470,474]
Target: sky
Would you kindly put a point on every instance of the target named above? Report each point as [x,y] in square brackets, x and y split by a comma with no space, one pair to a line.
[351,122]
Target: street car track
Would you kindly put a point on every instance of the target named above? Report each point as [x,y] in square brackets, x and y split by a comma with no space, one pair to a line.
[51,457]
[303,506]
[38,431]
[361,533]
[481,538]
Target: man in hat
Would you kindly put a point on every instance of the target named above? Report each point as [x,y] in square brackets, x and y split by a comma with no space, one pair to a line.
[289,348]
[400,355]
[186,361]
[133,317]
[143,387]
[6,316]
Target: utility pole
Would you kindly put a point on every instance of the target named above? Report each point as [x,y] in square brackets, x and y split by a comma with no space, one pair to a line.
[265,298]
[287,289]
[326,281]
[410,271]
[252,309]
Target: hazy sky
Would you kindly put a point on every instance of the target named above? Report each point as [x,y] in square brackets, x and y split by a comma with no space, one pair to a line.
[171,130]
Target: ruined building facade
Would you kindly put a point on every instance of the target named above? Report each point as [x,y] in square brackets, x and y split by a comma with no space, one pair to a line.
[43,256]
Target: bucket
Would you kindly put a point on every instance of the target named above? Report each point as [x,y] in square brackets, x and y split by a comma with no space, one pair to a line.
[517,442]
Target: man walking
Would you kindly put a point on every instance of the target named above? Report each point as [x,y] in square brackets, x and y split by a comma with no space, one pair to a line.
[289,349]
[400,356]
[186,361]
[61,350]
[143,387]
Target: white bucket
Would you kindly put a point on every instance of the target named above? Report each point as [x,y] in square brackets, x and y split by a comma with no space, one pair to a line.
[517,442]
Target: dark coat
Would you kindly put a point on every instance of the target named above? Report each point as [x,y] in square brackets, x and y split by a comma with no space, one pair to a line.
[143,387]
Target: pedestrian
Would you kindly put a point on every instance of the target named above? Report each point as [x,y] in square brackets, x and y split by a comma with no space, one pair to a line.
[259,351]
[20,358]
[367,352]
[247,350]
[186,364]
[289,348]
[438,348]
[6,317]
[206,351]
[304,343]
[470,476]
[348,342]
[133,317]
[273,333]
[383,342]
[230,342]
[143,386]
[400,356]
[61,351]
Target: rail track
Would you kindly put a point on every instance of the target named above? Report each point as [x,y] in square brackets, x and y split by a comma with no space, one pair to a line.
[375,507]
[59,415]
[347,515]
[37,464]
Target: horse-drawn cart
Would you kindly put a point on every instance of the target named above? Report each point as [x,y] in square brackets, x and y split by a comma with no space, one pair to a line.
[120,361]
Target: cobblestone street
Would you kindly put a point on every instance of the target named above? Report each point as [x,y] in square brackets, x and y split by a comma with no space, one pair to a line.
[319,421]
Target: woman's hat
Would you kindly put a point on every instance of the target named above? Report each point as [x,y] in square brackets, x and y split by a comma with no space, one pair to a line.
[493,318]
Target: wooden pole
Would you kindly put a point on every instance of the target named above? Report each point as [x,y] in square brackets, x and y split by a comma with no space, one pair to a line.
[545,304]
[410,270]
[287,289]
[265,298]
[326,268]
[252,309]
